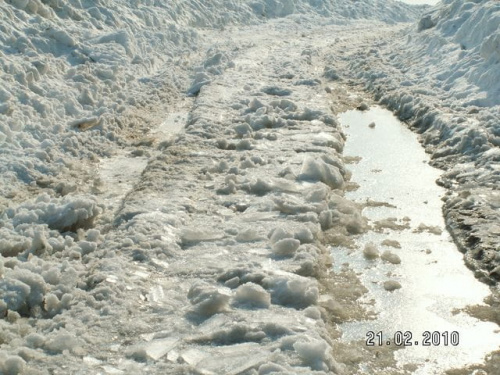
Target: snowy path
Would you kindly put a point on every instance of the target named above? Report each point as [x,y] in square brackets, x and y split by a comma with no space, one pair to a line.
[240,208]
[259,155]
[216,259]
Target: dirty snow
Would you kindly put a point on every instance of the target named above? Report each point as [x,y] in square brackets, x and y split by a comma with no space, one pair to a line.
[171,175]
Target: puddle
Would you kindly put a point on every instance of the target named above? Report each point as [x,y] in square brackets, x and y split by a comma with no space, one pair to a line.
[434,279]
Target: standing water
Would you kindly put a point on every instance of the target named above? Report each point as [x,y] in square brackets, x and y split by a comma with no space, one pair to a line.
[435,283]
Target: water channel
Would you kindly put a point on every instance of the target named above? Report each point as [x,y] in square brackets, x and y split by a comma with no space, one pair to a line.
[434,282]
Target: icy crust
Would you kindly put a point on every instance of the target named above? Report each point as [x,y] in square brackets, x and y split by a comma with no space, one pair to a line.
[217,253]
[35,238]
[442,77]
[215,263]
[248,207]
[74,77]
[78,77]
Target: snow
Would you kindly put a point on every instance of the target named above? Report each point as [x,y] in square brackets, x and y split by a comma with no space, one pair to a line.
[171,173]
[252,295]
[319,170]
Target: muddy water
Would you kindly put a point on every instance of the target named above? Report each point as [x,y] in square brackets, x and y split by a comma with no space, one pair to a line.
[435,283]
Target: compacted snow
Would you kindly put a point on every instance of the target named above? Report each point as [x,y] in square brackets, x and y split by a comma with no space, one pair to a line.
[171,175]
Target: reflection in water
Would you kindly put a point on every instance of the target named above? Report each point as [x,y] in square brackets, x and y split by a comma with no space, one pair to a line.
[433,276]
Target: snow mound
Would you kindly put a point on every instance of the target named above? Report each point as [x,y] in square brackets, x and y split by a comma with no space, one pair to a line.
[319,170]
[63,214]
[252,295]
[295,291]
[208,300]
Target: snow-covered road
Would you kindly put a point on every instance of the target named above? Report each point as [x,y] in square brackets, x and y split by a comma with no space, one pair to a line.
[193,235]
[237,205]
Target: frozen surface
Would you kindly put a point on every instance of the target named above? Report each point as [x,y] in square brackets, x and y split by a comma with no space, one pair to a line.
[170,173]
[433,277]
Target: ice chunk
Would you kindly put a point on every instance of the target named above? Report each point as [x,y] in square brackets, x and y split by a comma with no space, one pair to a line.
[232,283]
[61,342]
[304,235]
[22,290]
[61,36]
[312,312]
[21,4]
[260,187]
[318,193]
[276,91]
[363,106]
[286,247]
[244,144]
[12,365]
[426,22]
[390,257]
[154,350]
[238,359]
[193,356]
[392,243]
[252,295]
[318,170]
[201,79]
[370,251]
[248,235]
[243,129]
[34,340]
[428,228]
[391,285]
[207,299]
[156,294]
[52,303]
[326,219]
[11,243]
[294,291]
[191,235]
[14,293]
[63,214]
[255,104]
[278,234]
[313,353]
[271,368]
